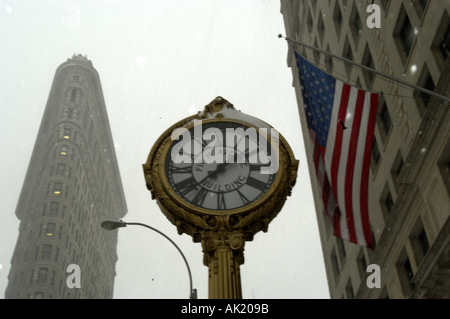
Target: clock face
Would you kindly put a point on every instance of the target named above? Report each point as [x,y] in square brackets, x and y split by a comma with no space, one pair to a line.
[213,170]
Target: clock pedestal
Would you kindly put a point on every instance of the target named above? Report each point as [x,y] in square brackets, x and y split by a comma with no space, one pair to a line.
[221,232]
[223,254]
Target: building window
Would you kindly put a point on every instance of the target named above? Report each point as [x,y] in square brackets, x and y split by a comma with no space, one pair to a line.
[310,22]
[376,156]
[426,81]
[314,5]
[407,35]
[441,42]
[423,242]
[46,251]
[423,4]
[355,23]
[337,17]
[57,188]
[386,201]
[347,54]
[66,133]
[63,150]
[444,166]
[374,241]
[42,275]
[321,27]
[73,95]
[444,45]
[362,265]
[54,208]
[397,167]
[406,274]
[420,6]
[335,266]
[419,241]
[50,229]
[349,289]
[404,33]
[341,250]
[368,61]
[383,118]
[70,113]
[60,169]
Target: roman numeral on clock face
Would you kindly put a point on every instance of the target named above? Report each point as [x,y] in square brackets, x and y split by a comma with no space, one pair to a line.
[221,201]
[244,199]
[186,185]
[180,170]
[200,197]
[256,183]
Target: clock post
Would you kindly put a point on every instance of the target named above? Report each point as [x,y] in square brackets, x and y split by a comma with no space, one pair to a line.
[223,253]
[219,193]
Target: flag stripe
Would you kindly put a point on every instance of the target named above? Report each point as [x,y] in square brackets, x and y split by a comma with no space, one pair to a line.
[351,165]
[324,185]
[338,142]
[365,171]
[357,214]
[342,192]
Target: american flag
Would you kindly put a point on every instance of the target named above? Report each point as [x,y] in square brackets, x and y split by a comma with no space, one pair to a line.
[341,123]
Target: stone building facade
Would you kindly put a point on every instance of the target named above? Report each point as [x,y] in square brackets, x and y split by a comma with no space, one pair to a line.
[409,182]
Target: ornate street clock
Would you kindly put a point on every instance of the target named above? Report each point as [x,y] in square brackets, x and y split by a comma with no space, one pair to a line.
[221,176]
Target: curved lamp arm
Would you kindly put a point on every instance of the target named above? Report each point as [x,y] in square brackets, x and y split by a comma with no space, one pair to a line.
[113,224]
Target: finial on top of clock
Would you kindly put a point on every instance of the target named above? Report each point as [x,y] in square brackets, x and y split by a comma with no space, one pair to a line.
[214,107]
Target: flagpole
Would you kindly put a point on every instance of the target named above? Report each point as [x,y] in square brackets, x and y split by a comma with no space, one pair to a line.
[418,88]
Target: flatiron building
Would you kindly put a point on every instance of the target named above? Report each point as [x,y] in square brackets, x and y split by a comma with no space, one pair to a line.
[72,184]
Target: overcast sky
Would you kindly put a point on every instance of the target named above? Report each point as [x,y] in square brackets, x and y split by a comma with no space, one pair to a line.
[159,62]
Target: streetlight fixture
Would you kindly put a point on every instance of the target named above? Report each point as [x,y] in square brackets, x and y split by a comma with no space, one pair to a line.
[113,224]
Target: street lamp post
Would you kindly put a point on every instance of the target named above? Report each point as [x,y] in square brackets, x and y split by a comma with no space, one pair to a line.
[113,224]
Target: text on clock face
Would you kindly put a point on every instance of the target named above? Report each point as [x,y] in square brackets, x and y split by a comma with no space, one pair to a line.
[232,145]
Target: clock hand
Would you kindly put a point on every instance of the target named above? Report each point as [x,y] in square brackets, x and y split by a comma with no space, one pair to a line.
[212,174]
[221,166]
[220,169]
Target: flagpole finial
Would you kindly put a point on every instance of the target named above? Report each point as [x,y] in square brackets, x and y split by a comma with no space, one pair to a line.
[280,35]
